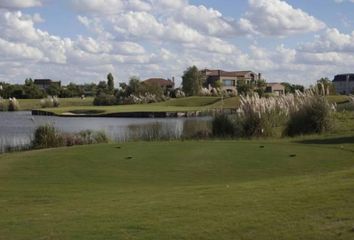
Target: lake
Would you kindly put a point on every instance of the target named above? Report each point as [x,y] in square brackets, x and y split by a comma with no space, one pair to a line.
[17,128]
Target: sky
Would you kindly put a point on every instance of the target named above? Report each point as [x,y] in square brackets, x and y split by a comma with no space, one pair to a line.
[81,41]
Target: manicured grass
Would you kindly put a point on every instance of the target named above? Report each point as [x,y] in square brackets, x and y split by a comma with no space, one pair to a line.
[29,104]
[180,190]
[338,99]
[189,104]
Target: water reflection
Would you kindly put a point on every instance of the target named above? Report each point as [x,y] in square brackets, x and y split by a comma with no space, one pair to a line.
[16,129]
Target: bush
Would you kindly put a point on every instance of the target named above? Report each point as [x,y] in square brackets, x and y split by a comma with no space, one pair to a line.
[92,137]
[50,102]
[300,113]
[3,105]
[14,105]
[258,117]
[104,100]
[223,126]
[47,137]
[315,115]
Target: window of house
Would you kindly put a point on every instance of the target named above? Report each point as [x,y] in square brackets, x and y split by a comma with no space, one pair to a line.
[228,83]
[351,78]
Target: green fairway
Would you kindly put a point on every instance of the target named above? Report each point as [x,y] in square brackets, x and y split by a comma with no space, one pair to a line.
[181,190]
[29,104]
[189,104]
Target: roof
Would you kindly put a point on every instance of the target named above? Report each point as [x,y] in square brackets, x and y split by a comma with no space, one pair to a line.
[159,81]
[209,72]
[343,77]
[43,81]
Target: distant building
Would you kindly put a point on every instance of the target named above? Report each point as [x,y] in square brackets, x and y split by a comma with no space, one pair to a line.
[46,83]
[275,88]
[163,83]
[344,83]
[229,80]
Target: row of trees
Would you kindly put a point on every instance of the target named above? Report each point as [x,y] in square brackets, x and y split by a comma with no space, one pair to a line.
[134,92]
[29,90]
[193,81]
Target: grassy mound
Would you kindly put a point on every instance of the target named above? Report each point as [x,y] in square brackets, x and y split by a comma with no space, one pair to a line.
[180,190]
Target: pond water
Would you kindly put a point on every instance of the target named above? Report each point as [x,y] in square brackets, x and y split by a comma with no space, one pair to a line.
[17,128]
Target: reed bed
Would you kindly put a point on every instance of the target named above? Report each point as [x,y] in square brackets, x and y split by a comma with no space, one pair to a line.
[296,114]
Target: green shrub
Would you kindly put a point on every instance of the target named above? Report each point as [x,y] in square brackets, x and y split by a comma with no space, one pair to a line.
[47,137]
[104,100]
[92,137]
[3,105]
[315,115]
[223,126]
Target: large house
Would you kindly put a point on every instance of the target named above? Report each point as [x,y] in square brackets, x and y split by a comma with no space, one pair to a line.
[163,83]
[228,80]
[46,83]
[344,83]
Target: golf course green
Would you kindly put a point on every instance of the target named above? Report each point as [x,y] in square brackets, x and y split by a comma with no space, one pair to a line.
[273,189]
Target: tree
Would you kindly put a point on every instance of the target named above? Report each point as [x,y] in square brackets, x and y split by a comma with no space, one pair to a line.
[110,83]
[53,90]
[244,88]
[135,86]
[291,88]
[101,88]
[192,81]
[29,82]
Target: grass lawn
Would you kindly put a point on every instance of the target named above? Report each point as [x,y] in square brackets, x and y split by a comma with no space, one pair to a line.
[189,104]
[181,190]
[29,104]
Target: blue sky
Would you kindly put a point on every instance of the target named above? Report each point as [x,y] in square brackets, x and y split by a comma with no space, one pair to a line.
[82,40]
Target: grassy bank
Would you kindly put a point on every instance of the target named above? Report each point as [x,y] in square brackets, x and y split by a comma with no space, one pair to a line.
[180,190]
[29,104]
[190,104]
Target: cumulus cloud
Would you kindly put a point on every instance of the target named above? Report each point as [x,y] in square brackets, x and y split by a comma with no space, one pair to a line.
[332,40]
[110,6]
[277,17]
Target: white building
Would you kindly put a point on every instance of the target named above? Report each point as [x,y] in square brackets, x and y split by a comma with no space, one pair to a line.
[344,83]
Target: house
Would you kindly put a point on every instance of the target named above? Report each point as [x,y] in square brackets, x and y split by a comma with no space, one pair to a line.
[46,83]
[344,83]
[228,80]
[275,88]
[163,83]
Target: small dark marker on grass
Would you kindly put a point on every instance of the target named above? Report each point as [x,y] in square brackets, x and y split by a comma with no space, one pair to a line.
[129,158]
[261,146]
[292,155]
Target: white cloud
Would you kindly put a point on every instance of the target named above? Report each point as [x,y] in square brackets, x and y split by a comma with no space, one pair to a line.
[206,20]
[277,17]
[331,41]
[20,3]
[110,6]
[18,51]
